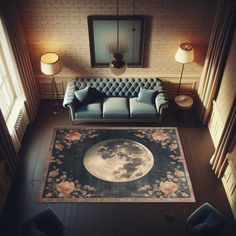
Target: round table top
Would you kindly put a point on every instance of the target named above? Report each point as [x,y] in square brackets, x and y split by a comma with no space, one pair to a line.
[184,102]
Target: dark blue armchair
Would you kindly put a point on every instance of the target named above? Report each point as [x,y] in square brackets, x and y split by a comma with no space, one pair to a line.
[206,220]
[45,223]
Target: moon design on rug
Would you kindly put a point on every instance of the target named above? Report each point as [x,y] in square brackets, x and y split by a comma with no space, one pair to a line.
[118,160]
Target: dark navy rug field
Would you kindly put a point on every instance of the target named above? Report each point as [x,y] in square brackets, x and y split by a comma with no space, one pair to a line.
[116,165]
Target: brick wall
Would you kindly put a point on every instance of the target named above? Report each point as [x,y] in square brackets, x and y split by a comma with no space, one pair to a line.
[61,26]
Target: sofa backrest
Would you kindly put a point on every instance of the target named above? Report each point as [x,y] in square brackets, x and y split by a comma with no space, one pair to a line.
[120,87]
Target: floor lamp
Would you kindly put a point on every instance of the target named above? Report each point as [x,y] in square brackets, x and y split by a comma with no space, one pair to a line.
[184,55]
[50,65]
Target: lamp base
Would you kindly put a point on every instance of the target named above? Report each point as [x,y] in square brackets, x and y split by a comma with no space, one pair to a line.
[184,102]
[57,108]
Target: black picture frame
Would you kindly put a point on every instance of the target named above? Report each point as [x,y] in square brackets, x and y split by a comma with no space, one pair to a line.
[103,31]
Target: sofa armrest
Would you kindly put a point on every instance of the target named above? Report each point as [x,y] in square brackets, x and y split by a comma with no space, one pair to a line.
[69,95]
[160,89]
[161,102]
[69,98]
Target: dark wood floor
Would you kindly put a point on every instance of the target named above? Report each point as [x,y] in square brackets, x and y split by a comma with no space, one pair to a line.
[115,219]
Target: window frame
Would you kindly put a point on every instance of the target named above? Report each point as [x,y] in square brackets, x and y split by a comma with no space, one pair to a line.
[6,86]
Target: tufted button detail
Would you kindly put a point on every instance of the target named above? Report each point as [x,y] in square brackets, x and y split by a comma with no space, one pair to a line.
[127,87]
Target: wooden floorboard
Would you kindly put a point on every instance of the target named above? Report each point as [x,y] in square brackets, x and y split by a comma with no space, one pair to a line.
[115,219]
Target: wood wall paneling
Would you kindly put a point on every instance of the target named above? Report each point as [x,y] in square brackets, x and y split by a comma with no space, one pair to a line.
[229,182]
[216,124]
[46,92]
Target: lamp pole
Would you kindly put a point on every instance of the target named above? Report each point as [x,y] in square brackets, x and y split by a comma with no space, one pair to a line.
[184,54]
[180,79]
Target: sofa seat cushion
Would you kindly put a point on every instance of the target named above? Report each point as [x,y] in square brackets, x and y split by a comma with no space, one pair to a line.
[116,107]
[141,110]
[92,110]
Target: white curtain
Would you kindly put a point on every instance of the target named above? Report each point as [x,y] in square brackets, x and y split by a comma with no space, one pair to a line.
[216,57]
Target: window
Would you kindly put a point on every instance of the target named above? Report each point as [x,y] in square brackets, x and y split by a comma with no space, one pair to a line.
[7,92]
[11,93]
[12,97]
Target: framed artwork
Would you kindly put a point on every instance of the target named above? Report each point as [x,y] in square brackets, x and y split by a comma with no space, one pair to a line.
[106,34]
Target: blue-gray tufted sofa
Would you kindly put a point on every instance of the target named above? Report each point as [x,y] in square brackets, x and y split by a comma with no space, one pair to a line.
[115,99]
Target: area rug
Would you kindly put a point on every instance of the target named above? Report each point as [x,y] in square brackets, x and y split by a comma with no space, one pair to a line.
[116,165]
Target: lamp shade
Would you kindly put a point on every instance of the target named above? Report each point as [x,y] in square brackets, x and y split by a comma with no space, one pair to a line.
[50,64]
[185,53]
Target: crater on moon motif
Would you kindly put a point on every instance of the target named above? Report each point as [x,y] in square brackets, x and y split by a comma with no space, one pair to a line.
[118,160]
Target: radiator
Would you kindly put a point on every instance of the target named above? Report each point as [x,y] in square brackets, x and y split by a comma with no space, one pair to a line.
[216,125]
[17,124]
[21,123]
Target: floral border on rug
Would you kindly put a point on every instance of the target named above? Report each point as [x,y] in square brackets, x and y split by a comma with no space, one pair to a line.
[65,178]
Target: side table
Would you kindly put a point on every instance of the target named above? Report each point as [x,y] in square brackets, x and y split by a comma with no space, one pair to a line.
[184,102]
